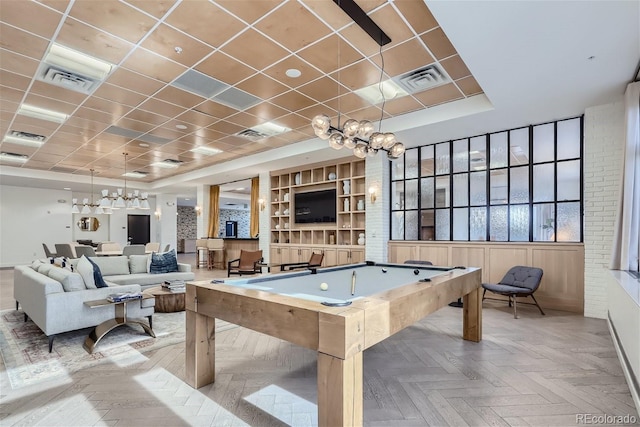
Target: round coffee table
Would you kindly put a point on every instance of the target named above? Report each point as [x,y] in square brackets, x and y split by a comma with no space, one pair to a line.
[166,301]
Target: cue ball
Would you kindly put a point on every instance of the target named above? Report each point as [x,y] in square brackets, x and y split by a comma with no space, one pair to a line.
[416,271]
[324,286]
[384,270]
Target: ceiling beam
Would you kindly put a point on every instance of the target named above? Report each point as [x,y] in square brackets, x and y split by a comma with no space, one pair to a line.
[362,19]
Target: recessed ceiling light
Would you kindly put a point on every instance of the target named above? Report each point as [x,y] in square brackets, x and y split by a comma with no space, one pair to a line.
[24,138]
[66,188]
[135,174]
[178,50]
[167,164]
[293,72]
[77,62]
[13,157]
[181,127]
[143,144]
[207,151]
[240,189]
[373,93]
[42,113]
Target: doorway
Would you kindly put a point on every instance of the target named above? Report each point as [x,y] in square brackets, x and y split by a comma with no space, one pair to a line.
[138,229]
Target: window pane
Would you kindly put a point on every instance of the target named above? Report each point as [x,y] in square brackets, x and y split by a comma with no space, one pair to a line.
[426,193]
[427,161]
[442,192]
[568,229]
[397,168]
[499,187]
[543,143]
[428,231]
[411,225]
[543,180]
[519,146]
[543,222]
[519,223]
[442,158]
[397,225]
[411,164]
[478,219]
[498,224]
[397,195]
[442,224]
[569,180]
[478,153]
[411,195]
[498,153]
[478,188]
[461,189]
[519,186]
[461,155]
[569,139]
[461,224]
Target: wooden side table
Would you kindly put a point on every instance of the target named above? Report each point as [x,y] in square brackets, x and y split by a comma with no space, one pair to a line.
[120,319]
[166,301]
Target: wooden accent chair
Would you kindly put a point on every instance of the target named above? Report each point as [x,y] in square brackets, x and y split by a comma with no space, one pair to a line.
[520,281]
[246,264]
[215,246]
[202,253]
[133,250]
[152,247]
[314,262]
[85,250]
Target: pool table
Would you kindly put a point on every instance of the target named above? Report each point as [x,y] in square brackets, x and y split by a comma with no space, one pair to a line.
[362,305]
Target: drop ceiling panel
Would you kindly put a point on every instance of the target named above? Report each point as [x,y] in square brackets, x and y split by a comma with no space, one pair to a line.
[196,18]
[134,81]
[120,95]
[254,48]
[152,65]
[262,86]
[455,67]
[100,44]
[249,10]
[32,17]
[439,95]
[175,45]
[224,68]
[15,63]
[157,8]
[21,42]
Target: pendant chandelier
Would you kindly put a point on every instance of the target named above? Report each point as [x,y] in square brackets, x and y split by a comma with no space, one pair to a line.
[87,207]
[123,199]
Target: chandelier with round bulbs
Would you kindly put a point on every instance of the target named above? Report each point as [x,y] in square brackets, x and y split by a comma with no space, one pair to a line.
[359,136]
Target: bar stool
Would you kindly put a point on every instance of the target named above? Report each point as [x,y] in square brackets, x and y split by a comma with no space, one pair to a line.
[213,246]
[202,260]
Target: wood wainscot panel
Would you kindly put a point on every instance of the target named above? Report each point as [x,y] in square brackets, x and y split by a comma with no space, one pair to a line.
[562,284]
[232,247]
[501,258]
[437,254]
[469,256]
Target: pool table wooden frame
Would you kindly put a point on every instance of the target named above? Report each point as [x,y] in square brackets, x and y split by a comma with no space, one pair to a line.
[338,334]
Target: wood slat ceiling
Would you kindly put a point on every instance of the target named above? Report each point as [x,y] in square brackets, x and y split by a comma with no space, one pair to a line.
[247,44]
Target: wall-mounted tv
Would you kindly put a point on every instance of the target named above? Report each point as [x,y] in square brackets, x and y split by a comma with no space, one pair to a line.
[315,206]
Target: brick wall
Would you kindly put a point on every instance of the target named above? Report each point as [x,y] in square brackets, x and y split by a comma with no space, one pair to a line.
[377,220]
[603,154]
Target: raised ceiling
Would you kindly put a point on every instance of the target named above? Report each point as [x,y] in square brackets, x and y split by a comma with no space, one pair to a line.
[190,74]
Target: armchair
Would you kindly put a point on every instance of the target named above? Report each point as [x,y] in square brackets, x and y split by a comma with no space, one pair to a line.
[246,264]
[520,281]
[314,261]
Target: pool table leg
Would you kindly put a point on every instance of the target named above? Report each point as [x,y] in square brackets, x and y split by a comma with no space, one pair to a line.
[472,316]
[200,349]
[339,390]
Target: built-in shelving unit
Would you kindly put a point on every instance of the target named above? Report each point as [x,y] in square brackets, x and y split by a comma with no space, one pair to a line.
[293,242]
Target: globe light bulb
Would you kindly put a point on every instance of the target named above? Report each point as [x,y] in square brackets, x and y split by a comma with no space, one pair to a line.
[321,134]
[376,140]
[321,122]
[349,143]
[371,152]
[365,129]
[336,141]
[396,151]
[389,140]
[360,150]
[350,128]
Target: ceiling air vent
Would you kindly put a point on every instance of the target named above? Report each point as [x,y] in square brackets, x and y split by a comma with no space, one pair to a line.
[25,138]
[252,135]
[422,79]
[13,157]
[67,79]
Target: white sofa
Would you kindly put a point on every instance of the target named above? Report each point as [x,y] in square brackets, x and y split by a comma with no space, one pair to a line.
[54,297]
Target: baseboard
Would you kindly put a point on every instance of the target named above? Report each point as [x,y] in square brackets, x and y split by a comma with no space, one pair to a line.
[629,375]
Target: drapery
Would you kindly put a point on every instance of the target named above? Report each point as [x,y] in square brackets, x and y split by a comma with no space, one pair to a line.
[214,211]
[254,227]
[626,244]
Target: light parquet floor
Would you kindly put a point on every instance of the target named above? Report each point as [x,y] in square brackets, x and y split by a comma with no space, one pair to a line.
[537,370]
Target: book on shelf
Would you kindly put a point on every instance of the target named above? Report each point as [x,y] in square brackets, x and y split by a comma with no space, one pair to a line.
[124,296]
[175,284]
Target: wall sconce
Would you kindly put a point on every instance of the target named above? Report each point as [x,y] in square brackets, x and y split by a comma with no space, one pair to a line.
[158,215]
[198,210]
[261,203]
[373,190]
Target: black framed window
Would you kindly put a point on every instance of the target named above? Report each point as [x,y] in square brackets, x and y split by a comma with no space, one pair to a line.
[518,185]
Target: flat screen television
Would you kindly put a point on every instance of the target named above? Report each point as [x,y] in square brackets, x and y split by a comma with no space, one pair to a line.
[315,207]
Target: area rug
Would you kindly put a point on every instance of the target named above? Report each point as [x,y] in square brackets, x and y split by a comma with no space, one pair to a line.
[25,349]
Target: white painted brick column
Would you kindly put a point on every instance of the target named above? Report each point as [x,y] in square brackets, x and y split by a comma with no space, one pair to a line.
[377,222]
[603,156]
[265,224]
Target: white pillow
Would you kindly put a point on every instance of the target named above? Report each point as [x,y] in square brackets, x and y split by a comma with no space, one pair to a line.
[85,268]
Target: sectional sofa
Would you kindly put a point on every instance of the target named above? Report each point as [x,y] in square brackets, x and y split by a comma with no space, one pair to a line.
[53,296]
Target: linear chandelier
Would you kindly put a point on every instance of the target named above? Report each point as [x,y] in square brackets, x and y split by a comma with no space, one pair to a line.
[86,206]
[360,136]
[123,199]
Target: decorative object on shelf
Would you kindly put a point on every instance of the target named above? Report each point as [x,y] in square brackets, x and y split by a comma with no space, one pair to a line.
[361,239]
[361,204]
[286,225]
[298,178]
[332,176]
[286,212]
[123,199]
[332,239]
[285,197]
[276,213]
[346,186]
[277,226]
[346,205]
[86,206]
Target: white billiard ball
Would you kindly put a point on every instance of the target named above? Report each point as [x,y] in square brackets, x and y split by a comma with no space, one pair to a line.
[324,286]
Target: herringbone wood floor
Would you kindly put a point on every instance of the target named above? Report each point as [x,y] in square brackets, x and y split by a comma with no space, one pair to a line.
[532,371]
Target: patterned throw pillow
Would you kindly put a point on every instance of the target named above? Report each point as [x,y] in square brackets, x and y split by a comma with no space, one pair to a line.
[62,262]
[97,275]
[163,262]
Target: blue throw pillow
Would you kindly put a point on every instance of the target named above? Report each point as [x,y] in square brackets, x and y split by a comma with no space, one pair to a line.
[163,263]
[97,275]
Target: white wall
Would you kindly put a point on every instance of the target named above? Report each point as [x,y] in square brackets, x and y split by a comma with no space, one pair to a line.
[166,228]
[30,217]
[603,151]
